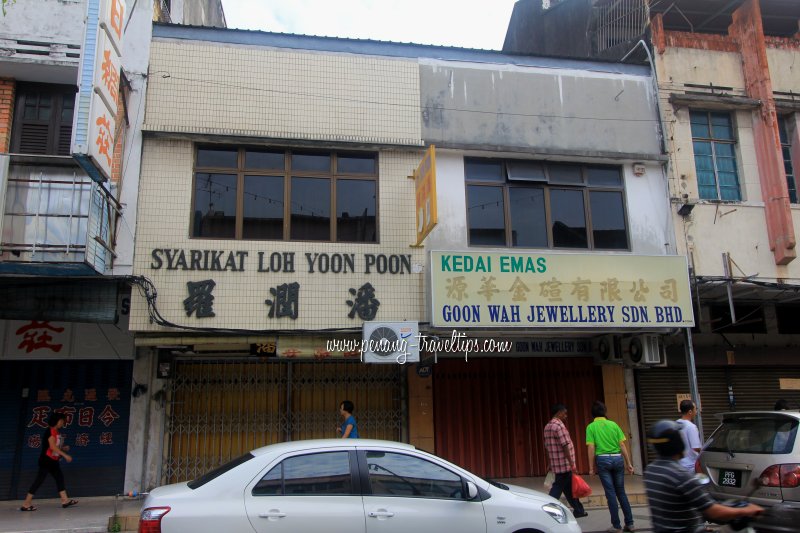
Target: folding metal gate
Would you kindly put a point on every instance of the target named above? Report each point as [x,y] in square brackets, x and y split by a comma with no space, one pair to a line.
[220,409]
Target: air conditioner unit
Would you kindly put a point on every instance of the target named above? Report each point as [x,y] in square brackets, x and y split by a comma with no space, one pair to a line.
[608,350]
[390,342]
[644,351]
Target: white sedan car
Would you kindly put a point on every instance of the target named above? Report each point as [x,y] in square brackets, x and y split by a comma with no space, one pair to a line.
[348,486]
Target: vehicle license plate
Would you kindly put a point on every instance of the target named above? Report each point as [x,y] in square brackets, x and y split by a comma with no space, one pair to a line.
[730,478]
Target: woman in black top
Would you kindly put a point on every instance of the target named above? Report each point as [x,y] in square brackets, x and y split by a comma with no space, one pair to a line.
[52,452]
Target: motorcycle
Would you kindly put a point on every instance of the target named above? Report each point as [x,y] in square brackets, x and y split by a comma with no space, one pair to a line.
[778,517]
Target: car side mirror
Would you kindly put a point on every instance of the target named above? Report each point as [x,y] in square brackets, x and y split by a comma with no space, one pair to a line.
[472,490]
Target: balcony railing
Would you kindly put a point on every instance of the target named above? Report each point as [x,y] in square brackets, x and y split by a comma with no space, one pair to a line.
[27,50]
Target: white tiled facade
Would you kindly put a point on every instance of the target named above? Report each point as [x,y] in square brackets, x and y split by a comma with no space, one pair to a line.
[368,100]
[239,296]
[257,92]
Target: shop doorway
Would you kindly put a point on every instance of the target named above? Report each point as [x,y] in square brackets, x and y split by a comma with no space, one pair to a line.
[220,409]
[490,413]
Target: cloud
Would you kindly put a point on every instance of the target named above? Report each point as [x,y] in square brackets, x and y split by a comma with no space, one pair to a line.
[464,23]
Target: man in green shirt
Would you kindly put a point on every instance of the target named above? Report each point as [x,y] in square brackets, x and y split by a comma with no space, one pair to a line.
[606,443]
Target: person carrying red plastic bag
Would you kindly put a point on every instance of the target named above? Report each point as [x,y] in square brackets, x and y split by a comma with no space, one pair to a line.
[580,489]
[561,455]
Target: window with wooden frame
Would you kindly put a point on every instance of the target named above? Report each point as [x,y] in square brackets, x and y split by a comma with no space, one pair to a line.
[277,194]
[714,141]
[43,119]
[533,204]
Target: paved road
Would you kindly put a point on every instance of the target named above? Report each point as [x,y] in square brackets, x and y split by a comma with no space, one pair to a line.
[599,520]
[91,515]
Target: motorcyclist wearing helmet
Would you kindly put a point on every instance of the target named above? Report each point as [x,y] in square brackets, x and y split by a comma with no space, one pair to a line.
[678,501]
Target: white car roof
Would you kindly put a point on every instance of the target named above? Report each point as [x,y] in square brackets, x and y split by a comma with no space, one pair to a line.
[298,445]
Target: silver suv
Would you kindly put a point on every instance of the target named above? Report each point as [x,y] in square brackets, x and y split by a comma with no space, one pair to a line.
[757,447]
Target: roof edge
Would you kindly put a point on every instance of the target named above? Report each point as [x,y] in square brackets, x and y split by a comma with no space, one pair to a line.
[382,48]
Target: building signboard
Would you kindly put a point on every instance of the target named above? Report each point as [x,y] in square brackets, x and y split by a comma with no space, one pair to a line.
[425,185]
[472,289]
[94,127]
[28,340]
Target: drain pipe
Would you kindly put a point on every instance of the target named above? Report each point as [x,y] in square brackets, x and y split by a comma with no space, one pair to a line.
[662,130]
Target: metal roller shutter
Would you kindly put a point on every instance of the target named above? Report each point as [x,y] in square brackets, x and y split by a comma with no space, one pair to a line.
[758,388]
[10,406]
[490,413]
[753,388]
[95,397]
[657,394]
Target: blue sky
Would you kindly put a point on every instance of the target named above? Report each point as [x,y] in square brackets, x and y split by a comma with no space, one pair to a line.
[463,23]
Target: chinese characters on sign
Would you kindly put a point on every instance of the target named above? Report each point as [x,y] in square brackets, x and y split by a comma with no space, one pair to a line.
[105,83]
[284,300]
[552,290]
[365,304]
[95,425]
[38,336]
[200,300]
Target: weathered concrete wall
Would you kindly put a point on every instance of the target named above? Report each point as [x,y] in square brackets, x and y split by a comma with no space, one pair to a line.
[135,57]
[535,29]
[49,21]
[679,66]
[198,12]
[146,429]
[535,110]
[784,69]
[712,228]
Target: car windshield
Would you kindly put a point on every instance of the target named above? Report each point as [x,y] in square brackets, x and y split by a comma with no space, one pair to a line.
[767,434]
[213,474]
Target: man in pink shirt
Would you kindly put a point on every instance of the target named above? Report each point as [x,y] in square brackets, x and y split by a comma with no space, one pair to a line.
[561,455]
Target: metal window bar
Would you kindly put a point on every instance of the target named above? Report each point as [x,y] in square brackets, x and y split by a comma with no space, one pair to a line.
[72,207]
[166,16]
[40,217]
[620,22]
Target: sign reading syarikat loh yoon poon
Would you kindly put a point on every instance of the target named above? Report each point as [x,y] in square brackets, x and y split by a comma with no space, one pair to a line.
[559,290]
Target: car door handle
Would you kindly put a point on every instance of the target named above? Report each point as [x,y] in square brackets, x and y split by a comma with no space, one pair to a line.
[381,514]
[272,514]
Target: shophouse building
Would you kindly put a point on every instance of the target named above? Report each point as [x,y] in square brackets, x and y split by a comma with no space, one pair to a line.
[276,214]
[73,74]
[727,78]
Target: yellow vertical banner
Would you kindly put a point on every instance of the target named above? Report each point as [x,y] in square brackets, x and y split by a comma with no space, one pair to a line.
[425,184]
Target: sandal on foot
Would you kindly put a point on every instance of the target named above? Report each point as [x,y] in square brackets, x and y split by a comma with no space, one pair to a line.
[69,503]
[28,508]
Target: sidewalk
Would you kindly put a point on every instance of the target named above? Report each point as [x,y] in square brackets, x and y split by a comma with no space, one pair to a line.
[92,515]
[634,488]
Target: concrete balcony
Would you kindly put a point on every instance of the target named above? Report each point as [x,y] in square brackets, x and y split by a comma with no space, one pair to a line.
[41,41]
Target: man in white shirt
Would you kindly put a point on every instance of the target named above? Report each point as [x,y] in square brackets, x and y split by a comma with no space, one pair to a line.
[690,435]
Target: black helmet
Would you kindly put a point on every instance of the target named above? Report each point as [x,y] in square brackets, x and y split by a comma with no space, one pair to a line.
[665,436]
